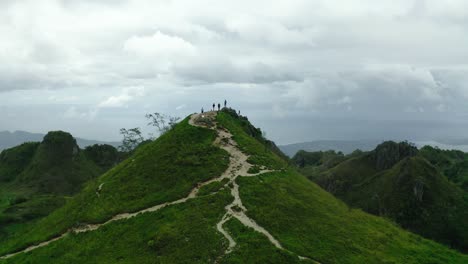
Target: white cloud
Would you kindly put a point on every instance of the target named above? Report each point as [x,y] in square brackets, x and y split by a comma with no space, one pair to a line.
[73,113]
[180,107]
[127,95]
[159,45]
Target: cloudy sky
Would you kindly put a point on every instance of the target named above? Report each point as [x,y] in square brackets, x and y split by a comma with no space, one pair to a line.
[301,70]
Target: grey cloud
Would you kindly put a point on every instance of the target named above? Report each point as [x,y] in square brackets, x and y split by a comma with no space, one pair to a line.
[294,61]
[226,72]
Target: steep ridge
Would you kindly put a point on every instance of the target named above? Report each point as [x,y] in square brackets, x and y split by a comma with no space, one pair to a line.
[163,171]
[397,182]
[452,163]
[238,166]
[270,216]
[37,177]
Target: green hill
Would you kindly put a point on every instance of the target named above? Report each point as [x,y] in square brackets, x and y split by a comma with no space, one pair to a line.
[36,178]
[397,182]
[212,190]
[452,163]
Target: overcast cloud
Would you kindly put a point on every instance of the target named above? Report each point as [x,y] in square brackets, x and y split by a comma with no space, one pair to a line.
[302,70]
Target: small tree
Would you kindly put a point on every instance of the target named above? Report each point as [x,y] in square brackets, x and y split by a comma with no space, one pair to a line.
[162,122]
[131,139]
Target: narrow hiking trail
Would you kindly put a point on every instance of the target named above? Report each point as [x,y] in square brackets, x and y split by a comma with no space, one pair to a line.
[238,167]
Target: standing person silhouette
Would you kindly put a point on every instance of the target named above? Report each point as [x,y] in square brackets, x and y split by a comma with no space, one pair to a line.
[219,106]
[213,106]
[225,103]
[202,110]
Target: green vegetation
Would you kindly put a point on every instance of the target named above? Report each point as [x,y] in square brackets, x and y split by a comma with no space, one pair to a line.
[254,169]
[160,171]
[183,233]
[304,218]
[262,151]
[58,166]
[313,163]
[212,187]
[14,160]
[253,247]
[104,156]
[451,163]
[312,223]
[397,182]
[37,177]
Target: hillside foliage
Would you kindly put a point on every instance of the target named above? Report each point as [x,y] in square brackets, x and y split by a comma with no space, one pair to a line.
[419,190]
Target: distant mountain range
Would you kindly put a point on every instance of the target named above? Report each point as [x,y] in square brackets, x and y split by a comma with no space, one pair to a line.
[345,146]
[348,146]
[11,139]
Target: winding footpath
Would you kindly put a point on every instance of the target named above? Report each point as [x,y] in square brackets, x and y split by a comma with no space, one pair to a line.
[238,167]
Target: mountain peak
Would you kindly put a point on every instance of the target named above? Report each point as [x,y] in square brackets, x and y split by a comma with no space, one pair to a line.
[59,145]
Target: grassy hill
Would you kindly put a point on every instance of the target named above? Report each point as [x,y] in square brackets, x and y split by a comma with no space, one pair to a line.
[397,182]
[304,219]
[452,163]
[36,178]
[345,146]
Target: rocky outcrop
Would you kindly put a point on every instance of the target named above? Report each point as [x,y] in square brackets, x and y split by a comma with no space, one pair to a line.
[390,153]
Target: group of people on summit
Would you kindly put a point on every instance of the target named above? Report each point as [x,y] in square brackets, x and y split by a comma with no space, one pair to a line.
[214,107]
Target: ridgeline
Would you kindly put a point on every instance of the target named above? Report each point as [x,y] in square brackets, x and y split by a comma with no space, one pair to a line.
[213,190]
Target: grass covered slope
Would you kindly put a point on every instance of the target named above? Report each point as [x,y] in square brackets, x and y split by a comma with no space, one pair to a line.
[303,219]
[418,198]
[254,247]
[451,163]
[262,151]
[163,170]
[313,223]
[397,182]
[14,160]
[35,179]
[183,233]
[58,166]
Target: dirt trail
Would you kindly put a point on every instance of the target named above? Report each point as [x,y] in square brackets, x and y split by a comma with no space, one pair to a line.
[238,166]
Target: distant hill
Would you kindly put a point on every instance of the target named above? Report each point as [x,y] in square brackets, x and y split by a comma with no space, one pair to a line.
[345,146]
[445,145]
[454,141]
[213,190]
[10,139]
[399,182]
[348,146]
[36,177]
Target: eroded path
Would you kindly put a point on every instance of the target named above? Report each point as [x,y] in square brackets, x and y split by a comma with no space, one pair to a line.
[238,166]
